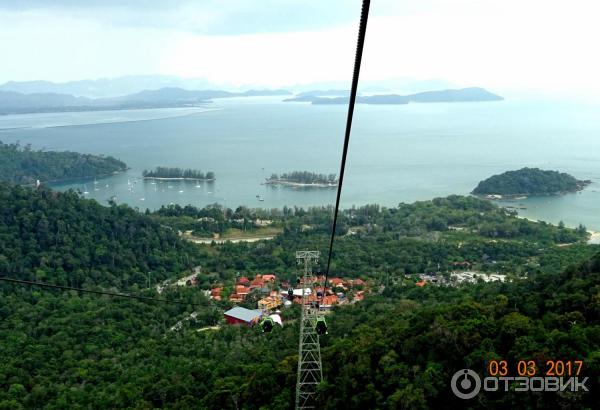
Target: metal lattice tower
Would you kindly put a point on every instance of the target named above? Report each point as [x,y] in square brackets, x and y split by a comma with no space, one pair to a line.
[310,372]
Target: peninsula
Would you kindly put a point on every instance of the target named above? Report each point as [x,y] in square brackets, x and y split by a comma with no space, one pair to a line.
[24,165]
[178,173]
[528,181]
[303,179]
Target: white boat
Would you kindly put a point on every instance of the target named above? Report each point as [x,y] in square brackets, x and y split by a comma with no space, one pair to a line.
[85,191]
[181,192]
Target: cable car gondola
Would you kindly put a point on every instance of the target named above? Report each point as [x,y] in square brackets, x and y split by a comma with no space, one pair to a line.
[267,324]
[321,326]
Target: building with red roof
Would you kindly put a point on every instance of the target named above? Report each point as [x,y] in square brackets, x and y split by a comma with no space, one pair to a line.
[269,278]
[329,301]
[243,281]
[257,282]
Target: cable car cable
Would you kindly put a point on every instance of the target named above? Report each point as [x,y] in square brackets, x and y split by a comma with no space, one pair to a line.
[364,16]
[98,292]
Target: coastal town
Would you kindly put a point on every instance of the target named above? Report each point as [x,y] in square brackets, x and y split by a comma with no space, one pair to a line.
[255,296]
[249,298]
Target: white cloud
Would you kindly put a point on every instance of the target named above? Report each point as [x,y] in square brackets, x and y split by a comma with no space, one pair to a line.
[530,45]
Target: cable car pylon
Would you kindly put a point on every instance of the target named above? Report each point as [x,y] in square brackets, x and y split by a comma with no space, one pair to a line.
[312,324]
[310,371]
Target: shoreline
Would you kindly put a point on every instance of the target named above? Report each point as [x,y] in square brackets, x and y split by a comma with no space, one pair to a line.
[82,179]
[509,197]
[181,179]
[594,238]
[299,184]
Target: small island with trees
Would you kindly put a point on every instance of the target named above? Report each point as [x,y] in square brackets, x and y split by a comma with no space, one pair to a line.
[303,179]
[527,182]
[178,173]
[24,165]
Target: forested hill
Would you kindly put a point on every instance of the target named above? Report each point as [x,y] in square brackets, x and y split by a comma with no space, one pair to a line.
[396,349]
[400,350]
[23,165]
[529,181]
[63,239]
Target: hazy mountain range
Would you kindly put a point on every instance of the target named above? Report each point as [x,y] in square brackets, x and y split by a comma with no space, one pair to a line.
[470,94]
[13,102]
[107,87]
[121,86]
[19,103]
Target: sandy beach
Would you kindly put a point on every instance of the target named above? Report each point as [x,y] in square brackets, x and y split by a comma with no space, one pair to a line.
[594,238]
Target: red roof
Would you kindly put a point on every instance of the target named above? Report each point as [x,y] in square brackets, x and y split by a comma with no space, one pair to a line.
[330,300]
[336,281]
[358,282]
[243,280]
[421,283]
[257,283]
[216,291]
[269,277]
[241,289]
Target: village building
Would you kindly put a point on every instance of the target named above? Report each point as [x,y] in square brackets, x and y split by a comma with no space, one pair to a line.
[269,303]
[242,316]
[329,301]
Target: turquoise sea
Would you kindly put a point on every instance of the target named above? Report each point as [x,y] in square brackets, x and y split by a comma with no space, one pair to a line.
[397,154]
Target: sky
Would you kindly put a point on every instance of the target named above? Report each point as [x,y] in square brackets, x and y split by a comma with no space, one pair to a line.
[532,46]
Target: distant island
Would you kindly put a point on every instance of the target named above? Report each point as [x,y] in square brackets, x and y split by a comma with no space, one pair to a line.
[23,165]
[528,181]
[12,102]
[310,96]
[178,173]
[303,179]
[472,94]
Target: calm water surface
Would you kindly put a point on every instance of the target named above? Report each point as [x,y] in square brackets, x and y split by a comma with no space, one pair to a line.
[397,153]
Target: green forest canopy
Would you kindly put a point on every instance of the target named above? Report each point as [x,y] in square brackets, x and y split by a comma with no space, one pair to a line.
[397,349]
[23,165]
[529,181]
[304,177]
[166,172]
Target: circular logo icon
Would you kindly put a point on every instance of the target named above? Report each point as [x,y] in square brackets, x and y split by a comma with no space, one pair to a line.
[465,384]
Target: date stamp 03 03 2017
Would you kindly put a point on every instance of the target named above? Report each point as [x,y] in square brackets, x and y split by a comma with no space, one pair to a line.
[524,375]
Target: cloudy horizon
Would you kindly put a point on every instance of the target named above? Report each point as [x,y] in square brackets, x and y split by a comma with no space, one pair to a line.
[528,47]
